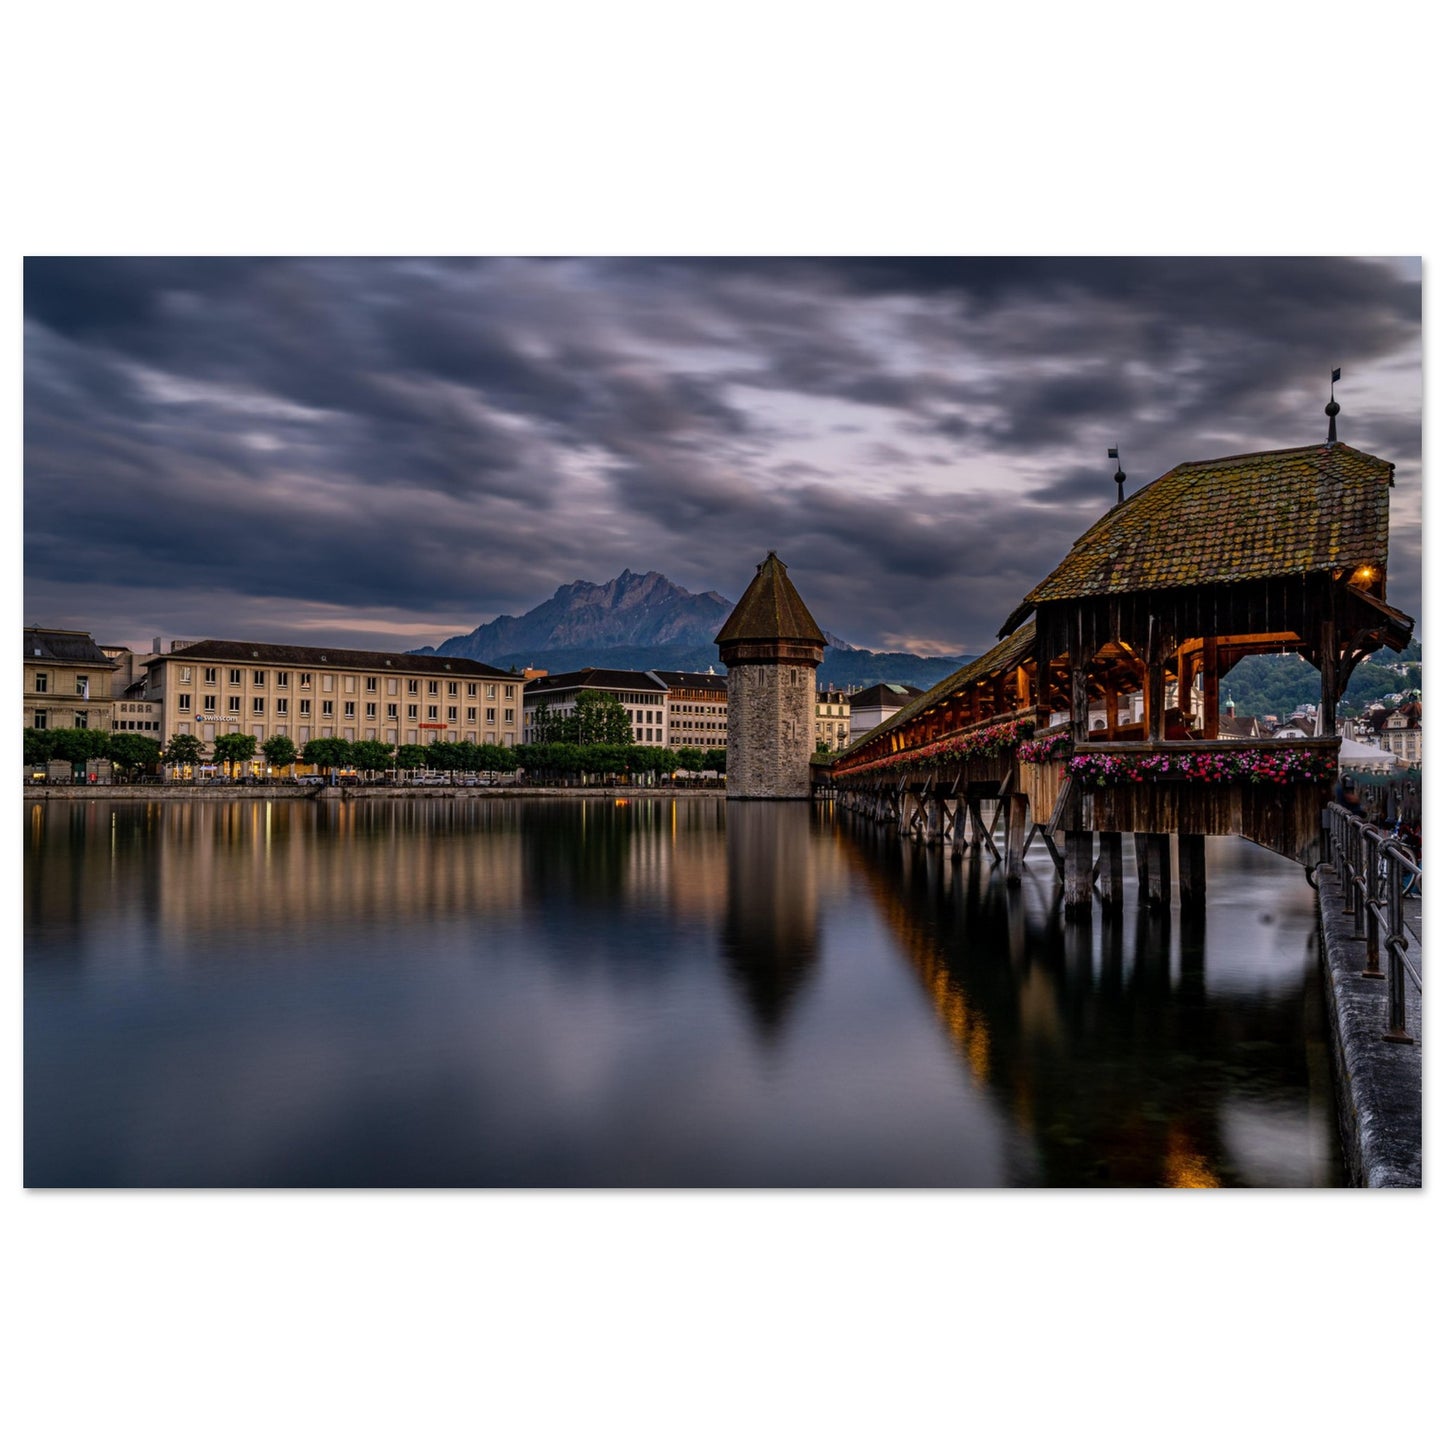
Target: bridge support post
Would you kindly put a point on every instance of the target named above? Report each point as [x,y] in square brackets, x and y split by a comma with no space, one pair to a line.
[1078,874]
[1111,871]
[1015,821]
[933,820]
[1191,873]
[1141,865]
[1160,870]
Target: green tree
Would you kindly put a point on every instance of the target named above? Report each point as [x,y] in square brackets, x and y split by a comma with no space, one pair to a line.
[371,755]
[445,757]
[133,754]
[327,753]
[496,759]
[411,756]
[79,745]
[39,747]
[231,750]
[715,760]
[600,718]
[279,751]
[546,725]
[690,759]
[184,750]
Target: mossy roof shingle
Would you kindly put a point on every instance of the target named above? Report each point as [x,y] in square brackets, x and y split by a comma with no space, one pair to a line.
[771,610]
[1240,518]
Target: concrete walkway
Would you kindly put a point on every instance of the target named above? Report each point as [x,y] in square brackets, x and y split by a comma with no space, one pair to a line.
[1378,1084]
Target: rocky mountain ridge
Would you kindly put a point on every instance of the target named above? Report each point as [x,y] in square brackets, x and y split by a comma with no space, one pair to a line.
[642,620]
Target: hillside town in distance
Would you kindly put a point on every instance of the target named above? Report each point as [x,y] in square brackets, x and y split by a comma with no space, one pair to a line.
[215,710]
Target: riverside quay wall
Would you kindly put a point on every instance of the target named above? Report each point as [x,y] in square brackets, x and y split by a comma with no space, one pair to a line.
[1377,1081]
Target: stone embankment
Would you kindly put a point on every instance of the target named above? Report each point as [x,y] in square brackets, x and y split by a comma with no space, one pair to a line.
[1378,1083]
[273,792]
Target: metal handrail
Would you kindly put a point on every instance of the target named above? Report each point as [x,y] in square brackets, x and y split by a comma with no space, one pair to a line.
[1374,869]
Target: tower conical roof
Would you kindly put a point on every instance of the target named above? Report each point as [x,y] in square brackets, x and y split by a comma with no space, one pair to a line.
[771,611]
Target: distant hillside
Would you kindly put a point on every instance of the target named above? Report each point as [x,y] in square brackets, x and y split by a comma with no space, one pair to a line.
[1282,682]
[641,621]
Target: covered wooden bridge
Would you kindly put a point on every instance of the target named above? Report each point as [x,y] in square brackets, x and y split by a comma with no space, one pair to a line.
[1098,712]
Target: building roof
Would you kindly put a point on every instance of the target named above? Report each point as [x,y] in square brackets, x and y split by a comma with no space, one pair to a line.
[712,681]
[54,644]
[212,650]
[885,694]
[1012,651]
[604,679]
[1234,519]
[771,610]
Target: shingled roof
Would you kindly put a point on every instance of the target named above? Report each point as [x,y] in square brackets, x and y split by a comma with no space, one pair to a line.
[57,644]
[771,611]
[219,650]
[1011,652]
[1235,519]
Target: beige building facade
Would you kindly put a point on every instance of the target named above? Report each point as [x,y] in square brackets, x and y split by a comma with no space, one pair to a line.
[642,694]
[206,689]
[697,709]
[832,720]
[67,680]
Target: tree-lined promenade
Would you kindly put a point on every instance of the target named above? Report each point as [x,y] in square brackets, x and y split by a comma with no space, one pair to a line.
[592,745]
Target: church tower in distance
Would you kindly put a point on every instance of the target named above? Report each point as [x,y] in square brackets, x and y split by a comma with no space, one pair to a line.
[771,648]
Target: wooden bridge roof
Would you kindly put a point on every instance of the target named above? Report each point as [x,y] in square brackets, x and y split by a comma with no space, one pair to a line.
[1234,519]
[1011,652]
[771,610]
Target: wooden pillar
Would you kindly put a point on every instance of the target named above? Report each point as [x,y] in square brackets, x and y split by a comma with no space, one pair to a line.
[1078,679]
[1111,701]
[1211,687]
[1191,873]
[1015,832]
[1111,871]
[1041,683]
[933,819]
[1186,681]
[1078,873]
[1329,688]
[1160,870]
[1141,864]
[1154,698]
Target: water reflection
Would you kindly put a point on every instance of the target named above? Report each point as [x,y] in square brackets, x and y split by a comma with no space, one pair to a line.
[770,932]
[661,992]
[1103,1038]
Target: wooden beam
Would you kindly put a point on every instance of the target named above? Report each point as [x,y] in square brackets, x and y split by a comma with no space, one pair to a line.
[1017,805]
[1191,873]
[1211,688]
[1078,873]
[1160,879]
[1111,871]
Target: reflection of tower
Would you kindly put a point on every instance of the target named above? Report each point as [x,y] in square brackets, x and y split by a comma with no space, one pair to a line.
[770,936]
[771,648]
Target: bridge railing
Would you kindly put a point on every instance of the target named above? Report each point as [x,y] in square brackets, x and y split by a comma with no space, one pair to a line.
[1375,871]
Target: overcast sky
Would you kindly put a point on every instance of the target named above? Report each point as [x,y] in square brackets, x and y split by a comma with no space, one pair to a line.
[383,453]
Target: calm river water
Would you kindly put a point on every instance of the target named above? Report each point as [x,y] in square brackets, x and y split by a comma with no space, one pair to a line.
[663,993]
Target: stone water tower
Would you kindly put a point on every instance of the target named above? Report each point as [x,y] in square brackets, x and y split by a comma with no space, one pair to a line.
[771,648]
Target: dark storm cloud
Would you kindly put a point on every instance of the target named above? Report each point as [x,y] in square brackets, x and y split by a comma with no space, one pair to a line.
[409,440]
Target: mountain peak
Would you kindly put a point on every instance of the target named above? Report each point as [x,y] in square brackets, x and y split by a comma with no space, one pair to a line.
[643,619]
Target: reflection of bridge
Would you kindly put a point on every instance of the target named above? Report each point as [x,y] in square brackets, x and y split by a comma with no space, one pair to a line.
[1098,712]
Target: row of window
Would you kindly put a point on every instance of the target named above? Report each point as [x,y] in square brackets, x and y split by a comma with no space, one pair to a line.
[304,681]
[41,719]
[82,684]
[304,735]
[281,707]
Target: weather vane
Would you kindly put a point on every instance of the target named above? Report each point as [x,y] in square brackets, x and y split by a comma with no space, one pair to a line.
[1332,409]
[1119,475]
